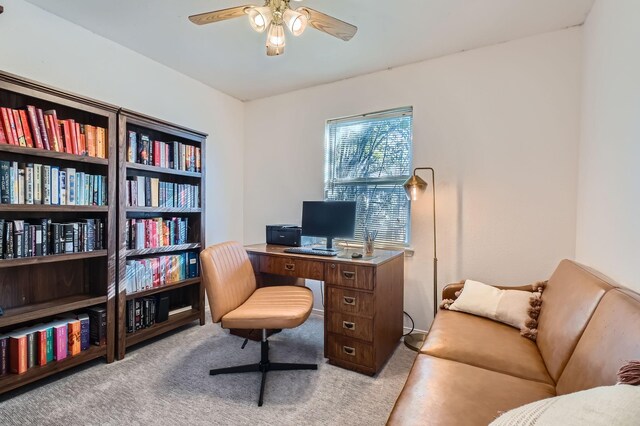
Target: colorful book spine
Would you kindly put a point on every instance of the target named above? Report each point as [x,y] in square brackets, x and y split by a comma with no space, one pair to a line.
[60,340]
[73,330]
[85,340]
[18,353]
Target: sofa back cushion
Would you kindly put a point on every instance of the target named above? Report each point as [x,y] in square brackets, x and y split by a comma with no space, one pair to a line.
[572,295]
[611,338]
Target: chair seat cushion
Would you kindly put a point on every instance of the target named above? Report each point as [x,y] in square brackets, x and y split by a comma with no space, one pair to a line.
[272,307]
[443,392]
[485,343]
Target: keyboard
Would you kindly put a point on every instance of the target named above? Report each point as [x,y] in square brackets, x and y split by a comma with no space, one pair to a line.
[308,250]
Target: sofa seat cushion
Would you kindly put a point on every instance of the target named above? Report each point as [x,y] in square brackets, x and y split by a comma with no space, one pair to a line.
[444,392]
[485,343]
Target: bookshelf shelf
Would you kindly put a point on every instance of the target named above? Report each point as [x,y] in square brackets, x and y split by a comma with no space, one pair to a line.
[137,209]
[156,290]
[174,321]
[36,290]
[48,208]
[162,170]
[50,308]
[38,260]
[140,135]
[12,381]
[165,249]
[43,153]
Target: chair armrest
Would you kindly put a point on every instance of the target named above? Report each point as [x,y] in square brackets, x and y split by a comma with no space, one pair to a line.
[449,291]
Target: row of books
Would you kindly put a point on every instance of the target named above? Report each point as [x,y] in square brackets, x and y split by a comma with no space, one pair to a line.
[156,232]
[142,149]
[143,313]
[42,237]
[33,183]
[151,192]
[143,274]
[41,344]
[32,127]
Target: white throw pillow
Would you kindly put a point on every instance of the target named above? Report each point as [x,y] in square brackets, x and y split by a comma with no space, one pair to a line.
[617,405]
[508,306]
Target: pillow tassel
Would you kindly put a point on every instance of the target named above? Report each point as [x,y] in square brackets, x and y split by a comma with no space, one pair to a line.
[629,374]
[446,303]
[529,333]
[534,312]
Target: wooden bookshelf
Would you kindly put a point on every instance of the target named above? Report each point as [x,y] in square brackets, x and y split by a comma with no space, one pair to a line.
[37,289]
[189,291]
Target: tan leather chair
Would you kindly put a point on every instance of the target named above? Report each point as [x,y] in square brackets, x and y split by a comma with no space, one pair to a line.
[236,302]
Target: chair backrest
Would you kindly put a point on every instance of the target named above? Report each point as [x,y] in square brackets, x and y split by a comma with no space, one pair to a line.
[228,277]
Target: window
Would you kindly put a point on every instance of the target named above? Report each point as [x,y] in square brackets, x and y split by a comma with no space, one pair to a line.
[367,159]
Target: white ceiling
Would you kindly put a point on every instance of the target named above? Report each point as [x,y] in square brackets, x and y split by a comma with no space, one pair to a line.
[230,57]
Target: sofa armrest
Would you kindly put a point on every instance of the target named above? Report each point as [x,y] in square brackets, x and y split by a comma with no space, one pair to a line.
[449,291]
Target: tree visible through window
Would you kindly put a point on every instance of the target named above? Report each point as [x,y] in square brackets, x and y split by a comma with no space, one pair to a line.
[367,159]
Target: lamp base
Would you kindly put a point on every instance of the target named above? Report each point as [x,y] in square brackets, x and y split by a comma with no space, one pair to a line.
[415,341]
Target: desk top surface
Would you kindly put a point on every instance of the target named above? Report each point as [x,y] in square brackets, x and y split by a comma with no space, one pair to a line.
[379,256]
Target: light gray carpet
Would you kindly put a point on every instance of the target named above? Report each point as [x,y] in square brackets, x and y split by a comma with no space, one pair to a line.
[167,382]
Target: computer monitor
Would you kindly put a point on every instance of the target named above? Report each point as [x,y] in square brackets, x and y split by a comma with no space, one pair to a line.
[329,219]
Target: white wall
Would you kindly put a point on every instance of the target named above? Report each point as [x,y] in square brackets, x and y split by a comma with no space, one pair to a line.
[608,224]
[499,125]
[40,46]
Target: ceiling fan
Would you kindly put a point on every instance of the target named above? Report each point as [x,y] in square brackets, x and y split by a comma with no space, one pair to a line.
[274,15]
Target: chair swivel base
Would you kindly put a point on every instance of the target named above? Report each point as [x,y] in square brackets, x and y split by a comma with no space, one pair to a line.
[264,366]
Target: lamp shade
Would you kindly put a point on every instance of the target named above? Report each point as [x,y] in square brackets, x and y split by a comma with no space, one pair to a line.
[414,186]
[275,40]
[295,21]
[260,18]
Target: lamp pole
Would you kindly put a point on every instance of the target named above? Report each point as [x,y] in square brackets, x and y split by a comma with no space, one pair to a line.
[412,186]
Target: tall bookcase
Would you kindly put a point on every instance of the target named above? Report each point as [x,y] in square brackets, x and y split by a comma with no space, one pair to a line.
[36,289]
[186,296]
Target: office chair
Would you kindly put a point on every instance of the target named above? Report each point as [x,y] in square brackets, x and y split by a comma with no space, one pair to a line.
[235,302]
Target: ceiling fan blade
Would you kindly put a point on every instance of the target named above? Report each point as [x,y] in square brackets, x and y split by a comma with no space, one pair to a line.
[330,25]
[218,15]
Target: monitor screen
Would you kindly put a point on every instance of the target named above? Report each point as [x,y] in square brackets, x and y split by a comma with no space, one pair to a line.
[329,219]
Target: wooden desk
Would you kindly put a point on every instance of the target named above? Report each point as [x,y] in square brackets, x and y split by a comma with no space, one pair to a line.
[363,300]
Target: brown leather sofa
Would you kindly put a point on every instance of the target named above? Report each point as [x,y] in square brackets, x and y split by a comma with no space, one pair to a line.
[471,369]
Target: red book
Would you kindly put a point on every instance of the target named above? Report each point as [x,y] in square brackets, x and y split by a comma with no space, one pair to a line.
[25,128]
[156,153]
[33,120]
[43,130]
[155,262]
[6,125]
[14,117]
[65,129]
[71,124]
[18,353]
[51,132]
[3,138]
[56,127]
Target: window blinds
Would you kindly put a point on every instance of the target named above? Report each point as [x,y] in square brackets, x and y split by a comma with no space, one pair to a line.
[367,159]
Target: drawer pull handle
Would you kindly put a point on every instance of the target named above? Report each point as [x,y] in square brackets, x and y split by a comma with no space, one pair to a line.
[290,266]
[349,275]
[349,300]
[349,350]
[349,325]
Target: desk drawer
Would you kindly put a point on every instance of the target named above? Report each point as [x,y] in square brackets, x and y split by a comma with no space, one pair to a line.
[347,275]
[350,350]
[292,267]
[350,326]
[349,301]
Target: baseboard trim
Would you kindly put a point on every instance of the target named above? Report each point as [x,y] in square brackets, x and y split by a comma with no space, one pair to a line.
[318,312]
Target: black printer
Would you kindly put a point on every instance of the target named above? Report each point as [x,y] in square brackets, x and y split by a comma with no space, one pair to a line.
[284,235]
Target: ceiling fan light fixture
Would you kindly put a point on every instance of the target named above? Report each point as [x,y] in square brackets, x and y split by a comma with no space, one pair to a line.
[260,18]
[275,40]
[295,21]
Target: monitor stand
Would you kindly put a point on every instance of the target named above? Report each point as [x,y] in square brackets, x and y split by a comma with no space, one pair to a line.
[329,246]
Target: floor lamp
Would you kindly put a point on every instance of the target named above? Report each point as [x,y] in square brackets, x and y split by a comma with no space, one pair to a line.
[414,187]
